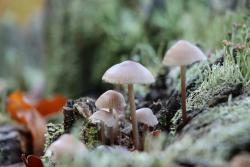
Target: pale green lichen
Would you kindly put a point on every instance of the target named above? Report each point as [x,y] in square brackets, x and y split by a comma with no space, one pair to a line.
[216,80]
[215,133]
[54,131]
[235,70]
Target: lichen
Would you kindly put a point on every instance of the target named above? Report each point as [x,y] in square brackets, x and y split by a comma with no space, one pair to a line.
[214,134]
[217,79]
[89,134]
[54,131]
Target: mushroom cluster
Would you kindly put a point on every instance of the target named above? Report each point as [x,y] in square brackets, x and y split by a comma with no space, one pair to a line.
[111,105]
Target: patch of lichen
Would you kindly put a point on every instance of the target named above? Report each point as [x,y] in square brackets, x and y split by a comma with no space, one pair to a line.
[218,78]
[89,133]
[216,134]
[54,131]
[235,69]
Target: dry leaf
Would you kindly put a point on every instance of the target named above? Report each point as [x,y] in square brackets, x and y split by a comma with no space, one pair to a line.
[32,161]
[31,114]
[18,101]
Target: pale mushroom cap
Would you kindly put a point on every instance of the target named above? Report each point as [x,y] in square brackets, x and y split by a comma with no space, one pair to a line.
[106,117]
[183,53]
[111,99]
[128,72]
[66,145]
[146,116]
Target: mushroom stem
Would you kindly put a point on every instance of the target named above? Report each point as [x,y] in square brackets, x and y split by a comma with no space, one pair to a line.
[116,128]
[111,131]
[131,98]
[102,133]
[145,131]
[183,93]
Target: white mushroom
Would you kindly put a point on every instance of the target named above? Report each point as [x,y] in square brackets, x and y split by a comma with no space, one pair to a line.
[66,146]
[102,115]
[146,116]
[114,101]
[181,54]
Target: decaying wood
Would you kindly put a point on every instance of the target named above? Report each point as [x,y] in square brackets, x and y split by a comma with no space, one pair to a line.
[14,140]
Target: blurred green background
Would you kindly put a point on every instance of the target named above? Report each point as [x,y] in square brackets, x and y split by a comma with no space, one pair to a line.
[62,46]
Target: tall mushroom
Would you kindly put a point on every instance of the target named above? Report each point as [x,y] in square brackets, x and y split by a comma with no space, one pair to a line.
[181,54]
[114,101]
[129,72]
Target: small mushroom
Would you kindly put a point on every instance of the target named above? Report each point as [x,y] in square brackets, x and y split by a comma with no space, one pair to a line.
[129,72]
[106,118]
[66,146]
[114,101]
[181,54]
[111,99]
[146,117]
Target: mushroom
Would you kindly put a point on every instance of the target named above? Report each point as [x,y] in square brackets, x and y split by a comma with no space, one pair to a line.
[112,100]
[129,72]
[146,117]
[181,54]
[106,118]
[66,146]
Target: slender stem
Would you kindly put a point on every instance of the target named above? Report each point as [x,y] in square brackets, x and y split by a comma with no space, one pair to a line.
[183,93]
[116,128]
[102,133]
[131,98]
[111,131]
[145,131]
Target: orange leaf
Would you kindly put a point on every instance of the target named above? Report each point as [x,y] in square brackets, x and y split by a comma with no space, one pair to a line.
[16,102]
[49,106]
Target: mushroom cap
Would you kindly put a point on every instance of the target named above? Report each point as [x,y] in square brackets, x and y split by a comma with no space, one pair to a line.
[146,116]
[66,145]
[128,72]
[106,117]
[111,99]
[183,53]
